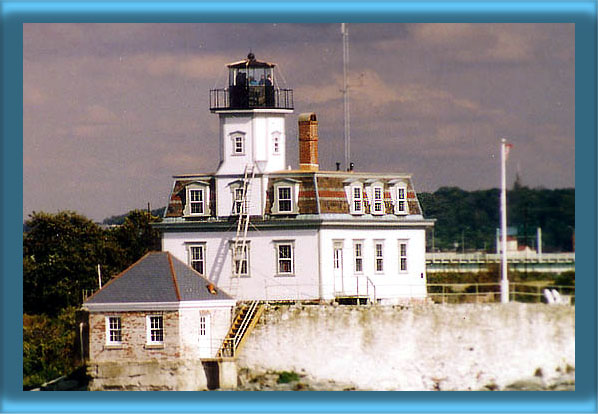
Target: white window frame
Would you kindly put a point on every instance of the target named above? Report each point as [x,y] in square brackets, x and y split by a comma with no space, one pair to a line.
[234,262]
[403,256]
[150,329]
[377,201]
[293,188]
[378,256]
[401,198]
[237,137]
[238,203]
[204,190]
[201,203]
[117,330]
[288,200]
[201,247]
[290,260]
[357,199]
[357,256]
[203,325]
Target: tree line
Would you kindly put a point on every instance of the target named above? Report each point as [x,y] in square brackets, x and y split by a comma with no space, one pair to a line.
[467,220]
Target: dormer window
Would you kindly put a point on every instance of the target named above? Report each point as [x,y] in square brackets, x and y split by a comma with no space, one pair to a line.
[399,190]
[377,200]
[285,201]
[238,202]
[196,201]
[401,206]
[285,197]
[197,195]
[357,202]
[238,143]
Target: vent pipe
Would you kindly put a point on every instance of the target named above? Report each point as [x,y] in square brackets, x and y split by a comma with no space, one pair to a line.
[308,142]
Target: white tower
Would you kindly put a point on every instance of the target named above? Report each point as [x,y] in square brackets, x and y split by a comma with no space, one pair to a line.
[252,113]
[252,118]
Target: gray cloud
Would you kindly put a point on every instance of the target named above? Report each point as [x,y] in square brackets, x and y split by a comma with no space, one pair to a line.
[112,111]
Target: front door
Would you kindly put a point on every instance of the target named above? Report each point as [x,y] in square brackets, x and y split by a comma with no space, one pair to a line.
[337,266]
[205,337]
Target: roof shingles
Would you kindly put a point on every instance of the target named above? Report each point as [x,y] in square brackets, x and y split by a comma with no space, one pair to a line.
[157,277]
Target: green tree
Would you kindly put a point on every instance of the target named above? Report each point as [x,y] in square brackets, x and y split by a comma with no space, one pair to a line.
[134,237]
[60,257]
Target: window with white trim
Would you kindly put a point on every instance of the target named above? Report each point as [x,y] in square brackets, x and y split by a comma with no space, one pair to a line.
[357,205]
[114,335]
[203,326]
[379,256]
[378,200]
[401,205]
[284,258]
[197,196]
[238,144]
[358,256]
[197,257]
[402,255]
[285,193]
[238,204]
[240,259]
[155,329]
[285,199]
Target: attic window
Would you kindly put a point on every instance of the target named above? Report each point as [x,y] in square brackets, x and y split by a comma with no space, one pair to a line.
[378,198]
[196,200]
[357,205]
[197,195]
[401,199]
[284,199]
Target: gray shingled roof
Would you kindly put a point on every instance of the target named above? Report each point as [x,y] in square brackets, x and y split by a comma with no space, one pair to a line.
[157,277]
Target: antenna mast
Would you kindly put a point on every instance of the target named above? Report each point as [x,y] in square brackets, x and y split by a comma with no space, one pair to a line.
[345,32]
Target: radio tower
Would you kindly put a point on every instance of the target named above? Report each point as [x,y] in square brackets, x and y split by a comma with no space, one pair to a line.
[345,32]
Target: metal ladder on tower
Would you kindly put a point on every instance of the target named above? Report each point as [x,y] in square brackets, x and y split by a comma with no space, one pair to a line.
[240,243]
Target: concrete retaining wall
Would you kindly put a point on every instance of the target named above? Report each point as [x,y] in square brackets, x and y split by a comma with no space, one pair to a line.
[424,347]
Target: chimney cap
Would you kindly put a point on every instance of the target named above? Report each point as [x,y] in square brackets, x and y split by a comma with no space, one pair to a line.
[307,116]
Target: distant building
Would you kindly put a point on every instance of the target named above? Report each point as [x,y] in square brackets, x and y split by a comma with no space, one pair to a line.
[264,232]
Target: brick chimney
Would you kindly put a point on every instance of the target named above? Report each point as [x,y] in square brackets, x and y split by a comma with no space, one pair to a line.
[308,142]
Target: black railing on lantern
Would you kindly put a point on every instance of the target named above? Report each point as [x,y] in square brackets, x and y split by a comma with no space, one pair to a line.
[251,97]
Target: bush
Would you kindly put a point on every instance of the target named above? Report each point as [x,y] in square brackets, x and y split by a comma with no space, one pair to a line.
[285,377]
[49,348]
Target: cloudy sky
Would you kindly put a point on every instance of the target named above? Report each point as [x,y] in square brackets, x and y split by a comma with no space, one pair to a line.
[112,111]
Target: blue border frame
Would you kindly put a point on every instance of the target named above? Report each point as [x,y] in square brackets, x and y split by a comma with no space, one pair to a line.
[14,14]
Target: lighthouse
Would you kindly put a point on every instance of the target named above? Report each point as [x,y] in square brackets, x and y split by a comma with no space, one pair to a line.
[252,109]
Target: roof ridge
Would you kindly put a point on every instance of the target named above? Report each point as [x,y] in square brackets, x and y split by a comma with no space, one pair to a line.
[174,280]
[118,276]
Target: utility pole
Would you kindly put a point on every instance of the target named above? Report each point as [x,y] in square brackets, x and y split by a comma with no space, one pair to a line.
[345,33]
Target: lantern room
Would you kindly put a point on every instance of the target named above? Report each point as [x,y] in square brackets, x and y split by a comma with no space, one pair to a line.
[252,84]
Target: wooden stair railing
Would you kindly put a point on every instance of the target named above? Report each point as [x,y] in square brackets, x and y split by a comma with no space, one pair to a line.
[243,323]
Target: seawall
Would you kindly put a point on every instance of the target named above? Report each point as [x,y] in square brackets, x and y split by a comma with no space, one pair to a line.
[419,347]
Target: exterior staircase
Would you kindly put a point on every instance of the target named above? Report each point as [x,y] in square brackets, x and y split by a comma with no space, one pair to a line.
[245,320]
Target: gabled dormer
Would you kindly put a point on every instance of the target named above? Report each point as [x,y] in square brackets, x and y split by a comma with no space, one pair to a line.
[355,196]
[196,202]
[285,197]
[398,191]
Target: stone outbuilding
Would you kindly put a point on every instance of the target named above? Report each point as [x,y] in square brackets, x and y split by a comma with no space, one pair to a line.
[159,325]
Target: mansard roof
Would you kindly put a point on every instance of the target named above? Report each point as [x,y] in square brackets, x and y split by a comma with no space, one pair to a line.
[158,277]
[320,192]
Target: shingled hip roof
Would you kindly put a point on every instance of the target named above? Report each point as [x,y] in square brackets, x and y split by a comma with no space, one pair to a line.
[157,277]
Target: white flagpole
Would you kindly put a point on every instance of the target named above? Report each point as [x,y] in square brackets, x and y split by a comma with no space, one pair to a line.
[504,281]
